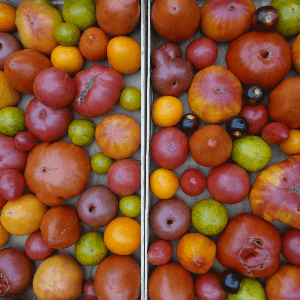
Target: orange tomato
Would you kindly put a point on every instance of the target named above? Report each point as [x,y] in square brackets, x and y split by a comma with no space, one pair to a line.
[291,145]
[7,17]
[67,58]
[196,252]
[93,44]
[210,145]
[123,235]
[167,111]
[164,183]
[124,54]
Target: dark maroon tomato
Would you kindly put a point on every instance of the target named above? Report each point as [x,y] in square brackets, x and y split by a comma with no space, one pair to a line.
[208,286]
[265,18]
[24,141]
[202,53]
[231,281]
[12,184]
[237,127]
[257,116]
[189,123]
[46,124]
[9,44]
[253,94]
[54,88]
[192,182]
[160,252]
[290,246]
[36,248]
[16,270]
[275,133]
[89,292]
[228,183]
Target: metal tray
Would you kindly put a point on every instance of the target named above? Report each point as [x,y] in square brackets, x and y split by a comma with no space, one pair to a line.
[153,42]
[138,80]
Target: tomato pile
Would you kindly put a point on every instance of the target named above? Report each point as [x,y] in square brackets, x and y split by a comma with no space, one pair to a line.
[223,195]
[70,149]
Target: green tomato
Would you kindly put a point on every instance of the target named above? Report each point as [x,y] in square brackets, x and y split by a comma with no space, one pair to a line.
[81,132]
[67,34]
[12,121]
[101,163]
[130,206]
[130,99]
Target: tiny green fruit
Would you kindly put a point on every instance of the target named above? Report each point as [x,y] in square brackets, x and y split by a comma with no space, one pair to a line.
[81,132]
[130,99]
[209,216]
[101,163]
[90,249]
[81,13]
[130,206]
[250,289]
[12,121]
[67,34]
[251,152]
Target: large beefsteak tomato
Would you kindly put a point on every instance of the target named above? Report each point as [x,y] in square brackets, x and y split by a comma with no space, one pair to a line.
[262,58]
[275,194]
[57,171]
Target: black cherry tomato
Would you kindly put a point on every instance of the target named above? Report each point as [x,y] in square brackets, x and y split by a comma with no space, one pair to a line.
[189,123]
[231,281]
[237,127]
[253,94]
[265,18]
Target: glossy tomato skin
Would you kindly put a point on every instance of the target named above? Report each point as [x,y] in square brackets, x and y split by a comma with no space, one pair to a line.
[160,252]
[46,124]
[61,227]
[284,283]
[23,66]
[124,177]
[192,182]
[249,245]
[171,281]
[208,286]
[36,248]
[89,291]
[118,274]
[257,116]
[12,184]
[290,247]
[169,148]
[54,88]
[224,21]
[228,183]
[275,133]
[97,90]
[262,58]
[202,53]
[24,141]
[10,156]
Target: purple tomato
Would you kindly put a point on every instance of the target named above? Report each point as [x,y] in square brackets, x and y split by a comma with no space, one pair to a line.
[160,252]
[36,248]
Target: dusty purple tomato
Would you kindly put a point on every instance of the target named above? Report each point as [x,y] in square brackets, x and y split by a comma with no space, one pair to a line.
[36,248]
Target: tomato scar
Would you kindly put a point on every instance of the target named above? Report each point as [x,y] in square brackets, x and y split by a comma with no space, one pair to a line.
[87,87]
[4,286]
